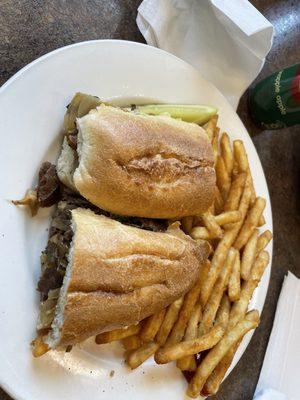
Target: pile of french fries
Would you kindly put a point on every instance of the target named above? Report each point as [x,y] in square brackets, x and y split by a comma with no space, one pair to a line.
[211,320]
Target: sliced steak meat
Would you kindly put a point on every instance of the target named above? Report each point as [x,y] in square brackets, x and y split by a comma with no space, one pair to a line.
[48,189]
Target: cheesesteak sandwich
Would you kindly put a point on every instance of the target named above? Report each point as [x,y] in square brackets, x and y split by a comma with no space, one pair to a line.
[99,274]
[138,165]
[115,255]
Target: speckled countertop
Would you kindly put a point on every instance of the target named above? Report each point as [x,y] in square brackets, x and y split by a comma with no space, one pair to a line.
[31,28]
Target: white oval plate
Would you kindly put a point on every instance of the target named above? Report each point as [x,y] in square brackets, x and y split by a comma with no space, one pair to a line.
[32,105]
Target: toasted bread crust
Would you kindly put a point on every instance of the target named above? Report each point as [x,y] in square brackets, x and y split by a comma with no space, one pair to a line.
[121,274]
[137,165]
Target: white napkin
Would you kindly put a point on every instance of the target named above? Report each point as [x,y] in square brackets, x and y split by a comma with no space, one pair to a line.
[280,375]
[226,40]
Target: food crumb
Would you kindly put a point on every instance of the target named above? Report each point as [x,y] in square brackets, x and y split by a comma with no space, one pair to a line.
[111,374]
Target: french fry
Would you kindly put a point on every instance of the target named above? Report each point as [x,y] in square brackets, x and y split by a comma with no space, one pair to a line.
[179,350]
[249,255]
[200,232]
[218,203]
[216,377]
[263,241]
[211,126]
[226,153]
[215,142]
[117,334]
[205,267]
[259,266]
[261,221]
[250,222]
[187,224]
[152,325]
[136,357]
[211,225]
[241,158]
[39,347]
[222,249]
[188,363]
[235,192]
[222,317]
[234,284]
[223,179]
[169,321]
[228,217]
[239,308]
[132,342]
[186,310]
[192,326]
[213,303]
[216,354]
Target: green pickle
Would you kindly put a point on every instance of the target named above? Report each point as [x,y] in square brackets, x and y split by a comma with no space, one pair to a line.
[198,114]
[274,102]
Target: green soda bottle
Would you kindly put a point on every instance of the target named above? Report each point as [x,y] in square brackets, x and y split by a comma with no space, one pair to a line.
[274,102]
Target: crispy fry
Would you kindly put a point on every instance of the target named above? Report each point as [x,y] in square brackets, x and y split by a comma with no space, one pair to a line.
[117,334]
[200,232]
[189,302]
[136,357]
[192,327]
[152,326]
[215,142]
[29,200]
[213,303]
[218,259]
[222,249]
[223,179]
[169,321]
[250,222]
[235,193]
[249,255]
[239,308]
[132,342]
[216,354]
[222,316]
[188,363]
[226,153]
[261,221]
[241,158]
[211,126]
[211,225]
[187,224]
[216,377]
[39,347]
[263,241]
[234,284]
[228,217]
[179,350]
[218,203]
[205,267]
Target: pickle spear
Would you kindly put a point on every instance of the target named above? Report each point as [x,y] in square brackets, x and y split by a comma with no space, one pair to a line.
[198,114]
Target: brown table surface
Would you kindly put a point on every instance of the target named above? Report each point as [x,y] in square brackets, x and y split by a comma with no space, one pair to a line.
[31,28]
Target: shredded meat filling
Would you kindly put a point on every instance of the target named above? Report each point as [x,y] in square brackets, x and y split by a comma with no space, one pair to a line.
[48,189]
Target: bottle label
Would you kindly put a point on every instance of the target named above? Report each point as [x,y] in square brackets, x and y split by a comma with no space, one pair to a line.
[275,102]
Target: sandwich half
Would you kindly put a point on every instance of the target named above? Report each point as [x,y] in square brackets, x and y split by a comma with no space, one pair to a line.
[99,274]
[139,165]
